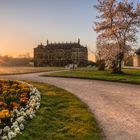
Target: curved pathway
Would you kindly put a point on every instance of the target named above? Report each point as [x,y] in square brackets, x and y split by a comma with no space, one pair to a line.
[115,105]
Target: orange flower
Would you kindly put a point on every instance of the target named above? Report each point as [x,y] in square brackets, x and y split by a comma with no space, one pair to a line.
[24,100]
[15,105]
[3,104]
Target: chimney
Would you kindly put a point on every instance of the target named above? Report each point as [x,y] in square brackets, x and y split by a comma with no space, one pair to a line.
[78,41]
[47,42]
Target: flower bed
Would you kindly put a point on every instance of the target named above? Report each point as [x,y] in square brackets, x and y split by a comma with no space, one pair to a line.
[18,102]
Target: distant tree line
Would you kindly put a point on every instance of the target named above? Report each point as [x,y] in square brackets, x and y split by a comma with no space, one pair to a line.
[22,60]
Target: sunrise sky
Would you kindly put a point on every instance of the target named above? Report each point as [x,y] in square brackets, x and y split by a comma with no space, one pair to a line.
[26,23]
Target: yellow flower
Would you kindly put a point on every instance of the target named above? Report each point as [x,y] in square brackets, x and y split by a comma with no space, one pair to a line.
[4,113]
[12,91]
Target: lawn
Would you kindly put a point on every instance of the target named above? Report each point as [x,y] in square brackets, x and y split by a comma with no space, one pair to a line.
[128,76]
[62,116]
[21,70]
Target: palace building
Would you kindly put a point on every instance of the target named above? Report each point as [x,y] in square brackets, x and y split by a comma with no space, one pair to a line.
[136,58]
[60,54]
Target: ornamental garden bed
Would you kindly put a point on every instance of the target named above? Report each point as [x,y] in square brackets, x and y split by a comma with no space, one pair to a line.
[18,102]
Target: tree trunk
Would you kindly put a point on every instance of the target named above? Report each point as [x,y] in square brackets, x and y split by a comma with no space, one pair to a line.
[101,65]
[115,70]
[115,67]
[120,66]
[120,62]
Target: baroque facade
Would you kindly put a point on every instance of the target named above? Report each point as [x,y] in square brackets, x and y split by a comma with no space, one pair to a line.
[60,54]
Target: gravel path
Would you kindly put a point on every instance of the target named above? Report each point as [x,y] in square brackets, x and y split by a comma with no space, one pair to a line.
[115,105]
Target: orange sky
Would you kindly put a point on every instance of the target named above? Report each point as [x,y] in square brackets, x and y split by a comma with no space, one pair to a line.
[15,41]
[91,57]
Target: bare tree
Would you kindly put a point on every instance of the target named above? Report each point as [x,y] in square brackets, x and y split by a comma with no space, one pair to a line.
[117,24]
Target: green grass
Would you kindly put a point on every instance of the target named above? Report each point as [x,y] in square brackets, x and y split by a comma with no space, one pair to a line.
[128,76]
[22,70]
[61,117]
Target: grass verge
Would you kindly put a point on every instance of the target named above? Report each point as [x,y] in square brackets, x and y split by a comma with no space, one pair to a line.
[61,117]
[24,70]
[128,76]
